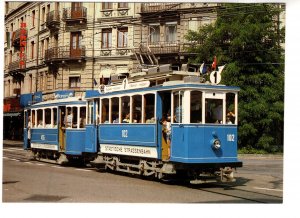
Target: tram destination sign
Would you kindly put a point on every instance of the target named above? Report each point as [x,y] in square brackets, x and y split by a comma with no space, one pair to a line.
[140,151]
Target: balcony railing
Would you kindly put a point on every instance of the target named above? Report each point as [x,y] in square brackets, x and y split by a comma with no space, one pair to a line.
[16,66]
[162,47]
[53,19]
[77,13]
[16,37]
[64,53]
[155,7]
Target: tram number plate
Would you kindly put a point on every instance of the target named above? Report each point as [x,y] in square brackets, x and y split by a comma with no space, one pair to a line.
[124,133]
[230,137]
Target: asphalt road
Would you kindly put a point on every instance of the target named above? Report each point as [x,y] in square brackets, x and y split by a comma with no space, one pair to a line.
[259,181]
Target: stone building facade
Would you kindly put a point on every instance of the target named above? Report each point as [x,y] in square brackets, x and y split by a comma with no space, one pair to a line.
[71,47]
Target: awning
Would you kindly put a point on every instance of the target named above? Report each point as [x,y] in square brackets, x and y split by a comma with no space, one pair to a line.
[13,114]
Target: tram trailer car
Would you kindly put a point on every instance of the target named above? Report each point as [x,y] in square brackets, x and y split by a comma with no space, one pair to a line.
[178,128]
[54,130]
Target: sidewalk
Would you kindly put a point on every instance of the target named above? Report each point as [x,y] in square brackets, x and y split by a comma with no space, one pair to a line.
[16,143]
[261,156]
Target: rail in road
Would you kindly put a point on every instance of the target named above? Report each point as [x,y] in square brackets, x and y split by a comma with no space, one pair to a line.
[239,192]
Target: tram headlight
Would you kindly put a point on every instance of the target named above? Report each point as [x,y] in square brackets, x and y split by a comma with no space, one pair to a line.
[216,144]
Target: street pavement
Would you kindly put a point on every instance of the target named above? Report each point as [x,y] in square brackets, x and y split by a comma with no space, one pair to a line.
[260,180]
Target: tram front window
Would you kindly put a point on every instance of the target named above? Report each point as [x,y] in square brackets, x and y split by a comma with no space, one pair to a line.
[196,107]
[214,111]
[230,108]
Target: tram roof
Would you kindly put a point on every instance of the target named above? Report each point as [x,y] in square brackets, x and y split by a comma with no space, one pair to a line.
[170,85]
[58,102]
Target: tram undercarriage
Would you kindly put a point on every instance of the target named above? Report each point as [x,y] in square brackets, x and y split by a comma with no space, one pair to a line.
[164,170]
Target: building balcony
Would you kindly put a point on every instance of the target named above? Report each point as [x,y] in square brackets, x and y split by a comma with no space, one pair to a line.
[64,53]
[77,14]
[158,7]
[16,37]
[162,47]
[53,20]
[16,66]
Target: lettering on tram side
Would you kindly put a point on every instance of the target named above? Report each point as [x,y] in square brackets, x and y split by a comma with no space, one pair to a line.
[230,137]
[44,146]
[124,133]
[129,150]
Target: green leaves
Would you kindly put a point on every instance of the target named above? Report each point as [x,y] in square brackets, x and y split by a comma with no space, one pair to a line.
[246,37]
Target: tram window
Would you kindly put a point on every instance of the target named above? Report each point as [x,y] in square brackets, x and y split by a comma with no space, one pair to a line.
[214,111]
[82,117]
[74,113]
[196,107]
[177,107]
[105,111]
[90,112]
[230,108]
[33,116]
[54,117]
[149,108]
[115,110]
[69,118]
[136,109]
[48,118]
[125,111]
[40,118]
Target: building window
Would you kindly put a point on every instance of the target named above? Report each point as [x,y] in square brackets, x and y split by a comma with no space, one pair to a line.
[33,18]
[10,56]
[154,34]
[41,81]
[30,83]
[123,5]
[47,44]
[106,38]
[43,15]
[171,31]
[122,37]
[42,49]
[75,40]
[74,82]
[32,50]
[106,5]
[48,8]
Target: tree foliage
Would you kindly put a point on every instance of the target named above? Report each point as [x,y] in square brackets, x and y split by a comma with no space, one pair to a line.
[247,38]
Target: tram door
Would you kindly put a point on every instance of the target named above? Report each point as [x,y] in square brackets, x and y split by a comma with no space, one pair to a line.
[62,128]
[166,124]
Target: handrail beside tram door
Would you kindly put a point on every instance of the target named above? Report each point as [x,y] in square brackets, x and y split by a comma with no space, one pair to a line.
[62,129]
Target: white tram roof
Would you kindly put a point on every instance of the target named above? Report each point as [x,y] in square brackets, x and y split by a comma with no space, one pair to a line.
[64,101]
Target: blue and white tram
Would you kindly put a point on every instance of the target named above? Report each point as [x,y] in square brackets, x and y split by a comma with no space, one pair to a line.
[55,130]
[127,129]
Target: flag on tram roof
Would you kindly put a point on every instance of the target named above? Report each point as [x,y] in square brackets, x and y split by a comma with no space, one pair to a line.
[214,64]
[203,68]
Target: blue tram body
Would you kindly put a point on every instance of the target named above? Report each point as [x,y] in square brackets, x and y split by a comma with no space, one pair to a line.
[197,145]
[48,133]
[175,127]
